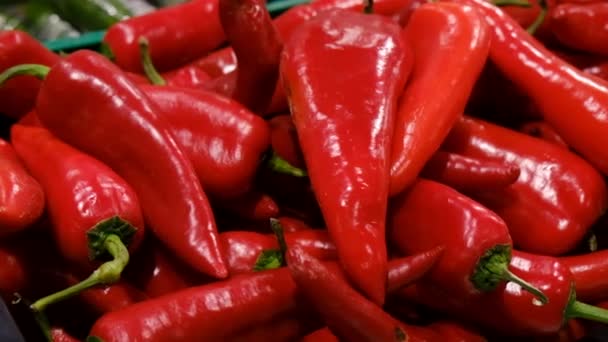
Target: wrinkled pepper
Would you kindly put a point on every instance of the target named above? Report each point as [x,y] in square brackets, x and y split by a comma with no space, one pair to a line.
[557,197]
[349,170]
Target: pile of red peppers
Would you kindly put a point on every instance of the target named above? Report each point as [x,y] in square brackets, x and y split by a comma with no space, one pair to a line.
[386,170]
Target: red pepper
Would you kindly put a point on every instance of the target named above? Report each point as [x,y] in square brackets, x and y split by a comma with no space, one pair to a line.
[550,83]
[581,26]
[347,313]
[292,224]
[253,206]
[173,41]
[407,270]
[349,169]
[510,310]
[321,335]
[533,17]
[590,274]
[104,105]
[60,335]
[467,174]
[477,245]
[217,63]
[224,141]
[19,94]
[187,77]
[284,140]
[557,197]
[544,131]
[13,271]
[454,332]
[453,39]
[22,200]
[283,329]
[257,47]
[403,16]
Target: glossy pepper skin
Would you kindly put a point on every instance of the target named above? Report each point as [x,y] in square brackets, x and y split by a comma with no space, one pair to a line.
[456,40]
[590,274]
[557,197]
[257,46]
[510,310]
[284,140]
[19,94]
[173,42]
[80,190]
[544,131]
[349,170]
[190,76]
[582,26]
[22,199]
[60,335]
[349,315]
[473,237]
[223,140]
[467,174]
[557,88]
[146,156]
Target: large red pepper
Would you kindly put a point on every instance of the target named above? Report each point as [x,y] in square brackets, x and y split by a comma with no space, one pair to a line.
[177,35]
[511,311]
[257,47]
[456,40]
[477,245]
[582,26]
[349,170]
[557,88]
[590,274]
[19,94]
[107,116]
[347,313]
[557,197]
[22,200]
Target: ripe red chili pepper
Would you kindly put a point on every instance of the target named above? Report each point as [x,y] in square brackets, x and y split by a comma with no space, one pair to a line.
[292,225]
[349,175]
[590,274]
[254,206]
[456,40]
[557,197]
[407,270]
[257,47]
[173,42]
[284,140]
[347,313]
[465,173]
[217,63]
[477,245]
[549,81]
[544,131]
[454,332]
[22,200]
[515,312]
[321,335]
[19,94]
[581,26]
[105,105]
[186,77]
[532,17]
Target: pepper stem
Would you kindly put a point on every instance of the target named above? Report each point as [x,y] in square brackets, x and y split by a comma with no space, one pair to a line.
[518,3]
[277,229]
[578,309]
[108,273]
[539,19]
[493,267]
[146,61]
[280,165]
[36,70]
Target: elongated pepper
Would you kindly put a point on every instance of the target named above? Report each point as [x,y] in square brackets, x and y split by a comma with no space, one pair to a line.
[581,26]
[456,40]
[349,170]
[110,118]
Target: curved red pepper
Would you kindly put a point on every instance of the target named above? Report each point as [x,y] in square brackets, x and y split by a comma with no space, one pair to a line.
[557,197]
[590,274]
[544,131]
[349,169]
[466,173]
[347,313]
[257,47]
[477,245]
[108,117]
[407,270]
[22,200]
[19,94]
[550,82]
[581,26]
[81,191]
[177,35]
[321,335]
[224,141]
[454,39]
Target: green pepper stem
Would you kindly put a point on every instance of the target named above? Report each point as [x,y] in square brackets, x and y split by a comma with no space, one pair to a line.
[280,165]
[146,61]
[539,19]
[108,273]
[277,229]
[36,70]
[508,276]
[368,7]
[578,309]
[518,3]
